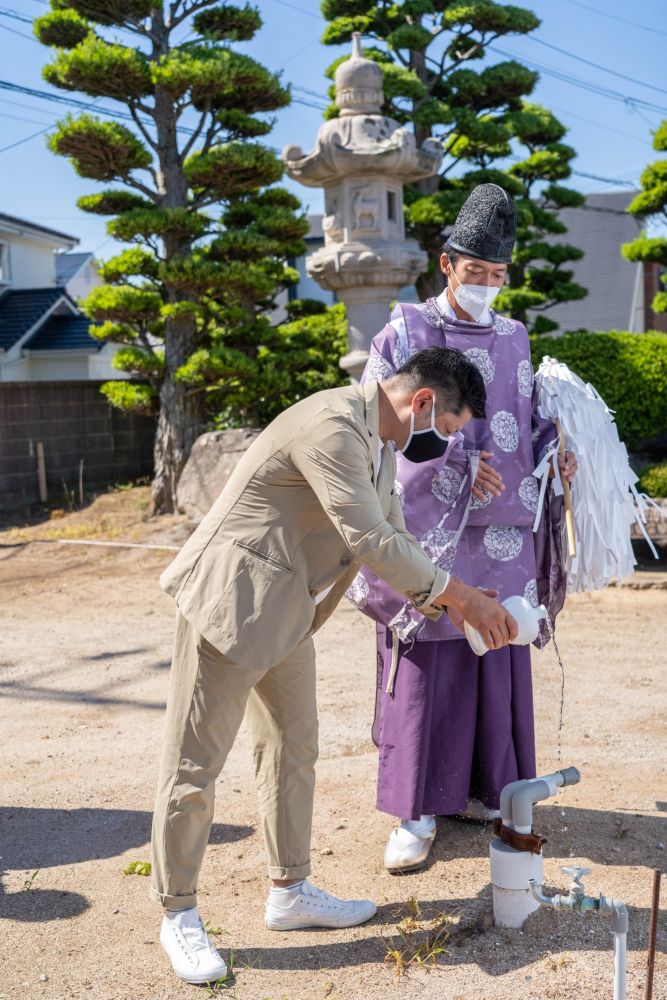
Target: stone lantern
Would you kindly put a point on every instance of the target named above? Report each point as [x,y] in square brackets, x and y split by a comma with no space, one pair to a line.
[362,159]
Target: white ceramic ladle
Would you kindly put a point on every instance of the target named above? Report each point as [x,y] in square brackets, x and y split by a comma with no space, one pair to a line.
[526,616]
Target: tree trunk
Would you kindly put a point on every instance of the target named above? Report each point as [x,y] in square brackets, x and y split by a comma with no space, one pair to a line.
[182,410]
[181,420]
[432,282]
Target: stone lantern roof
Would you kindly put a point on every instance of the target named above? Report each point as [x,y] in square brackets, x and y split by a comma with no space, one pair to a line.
[359,88]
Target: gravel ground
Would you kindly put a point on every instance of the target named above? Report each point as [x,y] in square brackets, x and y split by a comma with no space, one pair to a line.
[83,675]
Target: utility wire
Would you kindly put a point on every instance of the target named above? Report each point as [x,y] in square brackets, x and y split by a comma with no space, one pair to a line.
[301,10]
[615,17]
[20,142]
[584,84]
[15,16]
[21,34]
[605,69]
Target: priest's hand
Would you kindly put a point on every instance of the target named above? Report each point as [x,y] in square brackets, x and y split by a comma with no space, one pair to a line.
[567,466]
[479,608]
[488,479]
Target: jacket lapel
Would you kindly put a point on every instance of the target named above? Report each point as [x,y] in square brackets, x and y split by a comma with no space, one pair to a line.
[373,424]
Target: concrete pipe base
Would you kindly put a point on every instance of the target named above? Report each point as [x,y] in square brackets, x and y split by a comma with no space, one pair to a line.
[510,871]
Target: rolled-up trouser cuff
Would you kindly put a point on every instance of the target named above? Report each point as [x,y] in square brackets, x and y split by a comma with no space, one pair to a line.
[173,902]
[295,871]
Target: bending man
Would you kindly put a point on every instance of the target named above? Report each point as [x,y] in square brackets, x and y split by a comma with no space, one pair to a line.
[312,500]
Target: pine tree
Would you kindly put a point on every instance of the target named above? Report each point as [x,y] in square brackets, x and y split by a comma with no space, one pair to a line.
[651,205]
[427,49]
[209,235]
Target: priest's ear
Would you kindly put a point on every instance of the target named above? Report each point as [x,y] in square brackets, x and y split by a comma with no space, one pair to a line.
[448,257]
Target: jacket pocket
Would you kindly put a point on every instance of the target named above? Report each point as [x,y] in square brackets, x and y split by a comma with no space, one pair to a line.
[262,555]
[261,613]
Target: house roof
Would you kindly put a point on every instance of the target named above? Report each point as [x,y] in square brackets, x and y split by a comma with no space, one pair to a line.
[15,223]
[21,309]
[63,333]
[69,264]
[599,227]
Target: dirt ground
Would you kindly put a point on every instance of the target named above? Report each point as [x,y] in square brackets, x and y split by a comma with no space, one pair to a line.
[86,641]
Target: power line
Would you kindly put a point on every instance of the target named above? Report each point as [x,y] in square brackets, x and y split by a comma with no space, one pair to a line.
[20,142]
[616,17]
[311,93]
[583,84]
[607,128]
[605,69]
[15,16]
[21,34]
[301,10]
[606,180]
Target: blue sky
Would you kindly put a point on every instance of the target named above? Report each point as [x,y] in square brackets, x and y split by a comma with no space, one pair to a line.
[610,133]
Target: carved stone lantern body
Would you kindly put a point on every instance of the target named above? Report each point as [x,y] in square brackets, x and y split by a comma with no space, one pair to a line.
[362,159]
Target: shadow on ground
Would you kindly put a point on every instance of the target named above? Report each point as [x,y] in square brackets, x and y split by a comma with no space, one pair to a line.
[33,839]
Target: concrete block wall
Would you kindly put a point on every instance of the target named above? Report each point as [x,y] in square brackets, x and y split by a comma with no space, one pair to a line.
[73,421]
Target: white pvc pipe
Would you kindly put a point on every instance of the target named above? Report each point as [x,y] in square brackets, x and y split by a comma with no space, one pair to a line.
[619,966]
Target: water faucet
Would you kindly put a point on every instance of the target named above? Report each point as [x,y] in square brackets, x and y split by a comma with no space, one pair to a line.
[576,898]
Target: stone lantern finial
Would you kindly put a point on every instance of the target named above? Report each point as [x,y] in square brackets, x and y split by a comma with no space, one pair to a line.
[359,89]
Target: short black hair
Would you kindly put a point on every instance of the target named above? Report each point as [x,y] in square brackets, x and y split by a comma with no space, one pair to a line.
[455,380]
[452,254]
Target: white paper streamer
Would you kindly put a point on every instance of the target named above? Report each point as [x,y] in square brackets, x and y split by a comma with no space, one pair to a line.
[605,500]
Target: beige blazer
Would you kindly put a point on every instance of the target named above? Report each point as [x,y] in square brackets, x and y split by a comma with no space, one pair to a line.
[304,507]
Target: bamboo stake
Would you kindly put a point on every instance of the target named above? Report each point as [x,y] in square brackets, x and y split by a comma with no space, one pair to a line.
[652,932]
[567,498]
[41,473]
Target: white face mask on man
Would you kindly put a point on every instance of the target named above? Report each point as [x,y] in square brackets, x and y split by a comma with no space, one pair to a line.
[474,299]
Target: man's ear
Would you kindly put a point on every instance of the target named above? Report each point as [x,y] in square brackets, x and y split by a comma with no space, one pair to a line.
[421,399]
[444,262]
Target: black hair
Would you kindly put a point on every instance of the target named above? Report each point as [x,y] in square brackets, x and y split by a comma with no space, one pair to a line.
[455,380]
[453,255]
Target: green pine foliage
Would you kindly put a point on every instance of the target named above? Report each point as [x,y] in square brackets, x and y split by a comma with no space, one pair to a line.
[653,480]
[650,205]
[629,370]
[436,81]
[188,185]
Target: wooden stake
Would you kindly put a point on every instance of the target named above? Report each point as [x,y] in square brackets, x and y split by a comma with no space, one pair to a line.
[41,473]
[81,483]
[567,499]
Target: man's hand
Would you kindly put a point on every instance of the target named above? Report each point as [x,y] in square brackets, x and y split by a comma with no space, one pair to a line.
[495,625]
[488,480]
[567,465]
[457,618]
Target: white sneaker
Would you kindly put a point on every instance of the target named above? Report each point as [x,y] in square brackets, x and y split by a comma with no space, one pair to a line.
[190,949]
[410,844]
[307,906]
[477,812]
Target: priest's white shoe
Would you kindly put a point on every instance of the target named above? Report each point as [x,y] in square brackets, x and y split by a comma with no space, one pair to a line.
[190,950]
[303,905]
[409,844]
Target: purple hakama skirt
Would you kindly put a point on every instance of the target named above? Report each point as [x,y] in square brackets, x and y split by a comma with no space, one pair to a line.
[458,726]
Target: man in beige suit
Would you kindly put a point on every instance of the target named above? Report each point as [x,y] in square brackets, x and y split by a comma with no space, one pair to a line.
[311,500]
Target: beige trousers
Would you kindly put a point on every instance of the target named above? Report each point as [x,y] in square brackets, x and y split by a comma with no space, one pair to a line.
[208,695]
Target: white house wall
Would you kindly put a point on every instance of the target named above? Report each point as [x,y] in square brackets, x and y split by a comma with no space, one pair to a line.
[81,285]
[32,262]
[62,366]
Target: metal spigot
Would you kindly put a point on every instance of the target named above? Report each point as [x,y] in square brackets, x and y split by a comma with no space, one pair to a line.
[576,898]
[577,890]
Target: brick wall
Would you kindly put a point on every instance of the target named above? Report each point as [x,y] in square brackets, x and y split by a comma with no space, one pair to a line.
[74,422]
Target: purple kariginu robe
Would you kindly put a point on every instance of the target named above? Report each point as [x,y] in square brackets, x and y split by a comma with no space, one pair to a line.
[451,725]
